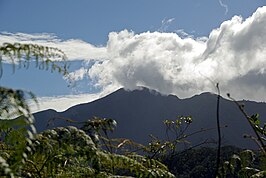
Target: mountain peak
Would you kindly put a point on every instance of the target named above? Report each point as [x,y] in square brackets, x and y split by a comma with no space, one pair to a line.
[145,91]
[205,95]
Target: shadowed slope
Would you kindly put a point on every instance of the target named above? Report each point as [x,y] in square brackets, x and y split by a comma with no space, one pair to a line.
[141,112]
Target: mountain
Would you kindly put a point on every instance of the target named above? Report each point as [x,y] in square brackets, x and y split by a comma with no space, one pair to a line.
[140,113]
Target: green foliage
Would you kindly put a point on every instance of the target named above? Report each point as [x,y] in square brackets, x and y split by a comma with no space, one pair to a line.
[98,129]
[61,151]
[243,165]
[13,102]
[16,140]
[256,122]
[4,168]
[70,152]
[197,162]
[23,54]
[260,174]
[16,135]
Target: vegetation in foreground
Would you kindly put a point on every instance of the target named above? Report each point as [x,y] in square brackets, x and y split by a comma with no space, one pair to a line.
[69,152]
[85,152]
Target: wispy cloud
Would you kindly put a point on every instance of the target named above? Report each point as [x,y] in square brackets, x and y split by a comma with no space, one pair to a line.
[233,55]
[75,49]
[224,6]
[165,24]
[77,74]
[183,34]
[61,103]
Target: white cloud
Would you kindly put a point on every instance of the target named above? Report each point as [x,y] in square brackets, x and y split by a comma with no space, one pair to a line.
[165,24]
[61,103]
[224,6]
[77,74]
[233,55]
[183,34]
[156,60]
[170,64]
[74,49]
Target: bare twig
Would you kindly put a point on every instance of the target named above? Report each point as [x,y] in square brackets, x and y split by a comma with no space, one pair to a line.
[219,131]
[201,130]
[35,167]
[206,141]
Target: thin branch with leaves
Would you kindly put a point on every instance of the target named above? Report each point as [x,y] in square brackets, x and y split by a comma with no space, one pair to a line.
[254,123]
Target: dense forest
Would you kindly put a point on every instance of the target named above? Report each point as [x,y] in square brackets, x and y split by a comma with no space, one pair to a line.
[88,151]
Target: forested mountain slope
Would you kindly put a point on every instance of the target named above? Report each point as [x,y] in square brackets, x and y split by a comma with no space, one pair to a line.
[141,112]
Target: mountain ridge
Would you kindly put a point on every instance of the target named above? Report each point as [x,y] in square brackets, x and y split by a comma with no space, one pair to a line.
[141,112]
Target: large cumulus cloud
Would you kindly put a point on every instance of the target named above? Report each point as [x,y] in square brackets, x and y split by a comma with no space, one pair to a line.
[161,61]
[233,55]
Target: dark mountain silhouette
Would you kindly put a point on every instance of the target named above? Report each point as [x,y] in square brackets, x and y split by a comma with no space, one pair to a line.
[141,112]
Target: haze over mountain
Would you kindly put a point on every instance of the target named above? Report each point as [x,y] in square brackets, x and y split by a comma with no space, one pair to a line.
[141,112]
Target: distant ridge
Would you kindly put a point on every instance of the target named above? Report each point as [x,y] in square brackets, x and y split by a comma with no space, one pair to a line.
[141,112]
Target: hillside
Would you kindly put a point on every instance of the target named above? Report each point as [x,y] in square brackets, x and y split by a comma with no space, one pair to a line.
[141,112]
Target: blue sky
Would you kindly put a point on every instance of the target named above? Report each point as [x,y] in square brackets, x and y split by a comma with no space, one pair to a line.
[88,25]
[93,20]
